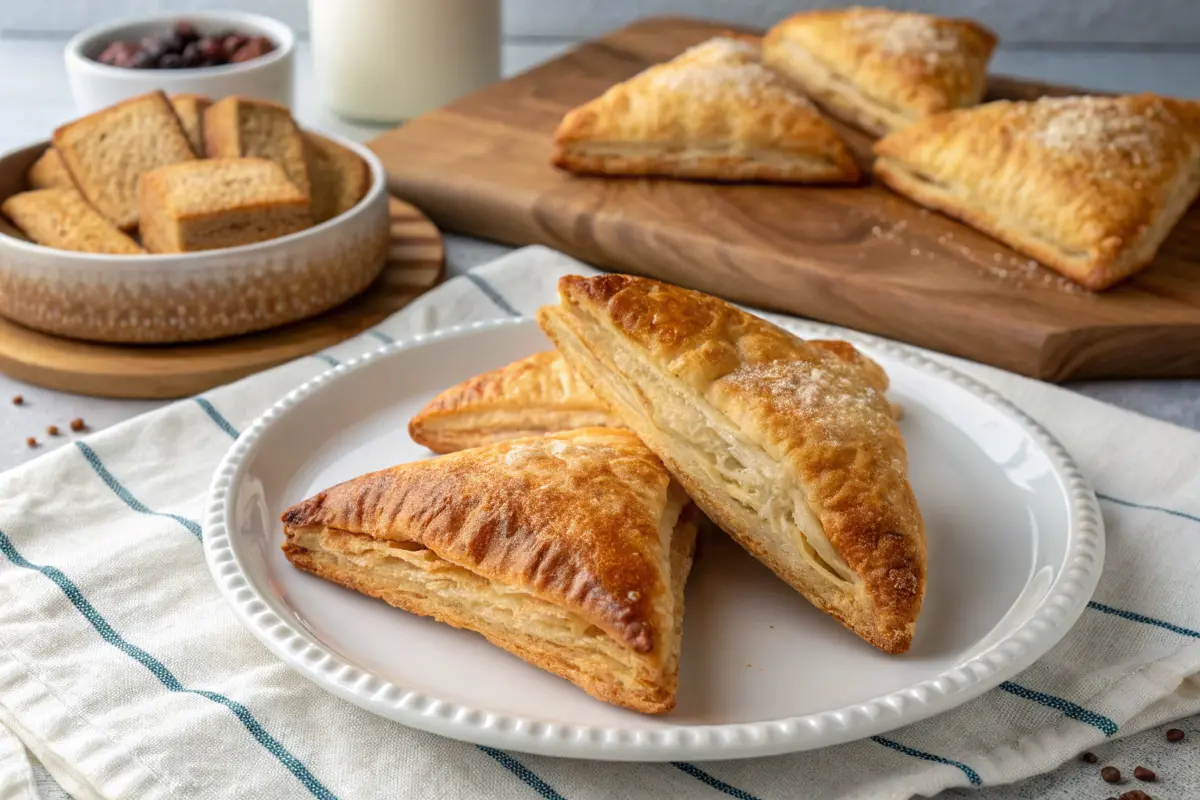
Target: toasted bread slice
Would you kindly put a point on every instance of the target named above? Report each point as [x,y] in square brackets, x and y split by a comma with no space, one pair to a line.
[62,218]
[239,126]
[190,110]
[222,202]
[107,152]
[49,172]
[338,176]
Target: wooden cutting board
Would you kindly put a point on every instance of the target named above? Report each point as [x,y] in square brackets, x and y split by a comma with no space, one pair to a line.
[415,264]
[860,257]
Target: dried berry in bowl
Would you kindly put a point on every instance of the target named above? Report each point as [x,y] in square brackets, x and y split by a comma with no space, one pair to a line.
[183,47]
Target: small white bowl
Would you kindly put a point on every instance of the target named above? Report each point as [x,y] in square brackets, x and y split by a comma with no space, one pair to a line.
[95,86]
[188,297]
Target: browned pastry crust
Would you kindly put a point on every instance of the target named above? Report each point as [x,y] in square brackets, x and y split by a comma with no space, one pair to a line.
[881,69]
[569,551]
[1089,186]
[530,397]
[787,447]
[713,113]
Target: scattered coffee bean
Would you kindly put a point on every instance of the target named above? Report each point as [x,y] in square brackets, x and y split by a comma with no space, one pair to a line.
[52,430]
[1135,794]
[77,424]
[31,442]
[18,400]
[1143,774]
[1175,735]
[1090,758]
[1111,774]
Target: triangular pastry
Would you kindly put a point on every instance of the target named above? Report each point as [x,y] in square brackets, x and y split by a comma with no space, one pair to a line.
[713,113]
[569,551]
[1089,186]
[787,447]
[530,397]
[880,69]
[538,395]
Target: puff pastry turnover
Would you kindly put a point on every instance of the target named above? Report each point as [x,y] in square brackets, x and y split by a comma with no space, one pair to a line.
[714,113]
[530,397]
[880,69]
[569,551]
[787,447]
[1089,186]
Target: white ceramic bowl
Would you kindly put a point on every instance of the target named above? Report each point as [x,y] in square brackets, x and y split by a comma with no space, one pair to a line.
[191,296]
[95,86]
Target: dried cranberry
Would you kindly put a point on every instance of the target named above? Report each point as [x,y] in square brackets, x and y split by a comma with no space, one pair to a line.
[211,48]
[191,55]
[119,54]
[143,59]
[258,46]
[233,42]
[171,61]
[186,32]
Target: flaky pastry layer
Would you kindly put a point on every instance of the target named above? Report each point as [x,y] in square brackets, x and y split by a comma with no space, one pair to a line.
[713,113]
[417,580]
[786,446]
[532,396]
[1089,186]
[587,522]
[881,69]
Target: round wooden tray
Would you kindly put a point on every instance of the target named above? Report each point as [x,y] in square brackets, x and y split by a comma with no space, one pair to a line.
[415,264]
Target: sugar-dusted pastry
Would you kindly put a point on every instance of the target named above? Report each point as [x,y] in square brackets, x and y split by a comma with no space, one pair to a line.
[530,397]
[789,448]
[880,69]
[569,551]
[713,113]
[1089,186]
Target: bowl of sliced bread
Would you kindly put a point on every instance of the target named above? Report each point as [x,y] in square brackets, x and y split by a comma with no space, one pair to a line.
[172,219]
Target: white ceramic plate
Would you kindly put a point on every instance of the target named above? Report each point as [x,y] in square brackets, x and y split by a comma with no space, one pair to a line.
[1015,549]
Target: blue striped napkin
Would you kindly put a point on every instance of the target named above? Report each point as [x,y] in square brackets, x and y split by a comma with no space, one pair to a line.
[123,670]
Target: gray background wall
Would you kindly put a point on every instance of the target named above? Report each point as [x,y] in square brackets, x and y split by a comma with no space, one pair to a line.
[1020,23]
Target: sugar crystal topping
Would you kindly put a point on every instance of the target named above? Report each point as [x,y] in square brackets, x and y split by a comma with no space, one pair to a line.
[829,393]
[1092,125]
[901,34]
[710,69]
[723,48]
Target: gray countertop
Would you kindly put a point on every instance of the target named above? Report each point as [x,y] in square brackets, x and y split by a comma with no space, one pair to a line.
[34,99]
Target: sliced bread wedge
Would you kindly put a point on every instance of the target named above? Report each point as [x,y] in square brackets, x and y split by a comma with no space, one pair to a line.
[107,152]
[220,202]
[238,126]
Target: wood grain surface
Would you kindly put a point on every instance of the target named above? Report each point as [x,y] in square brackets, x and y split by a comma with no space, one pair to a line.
[860,256]
[415,264]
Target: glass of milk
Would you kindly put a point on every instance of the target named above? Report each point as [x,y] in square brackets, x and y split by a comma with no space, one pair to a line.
[392,60]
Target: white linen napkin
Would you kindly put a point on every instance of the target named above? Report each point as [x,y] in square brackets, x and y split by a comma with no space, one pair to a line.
[123,669]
